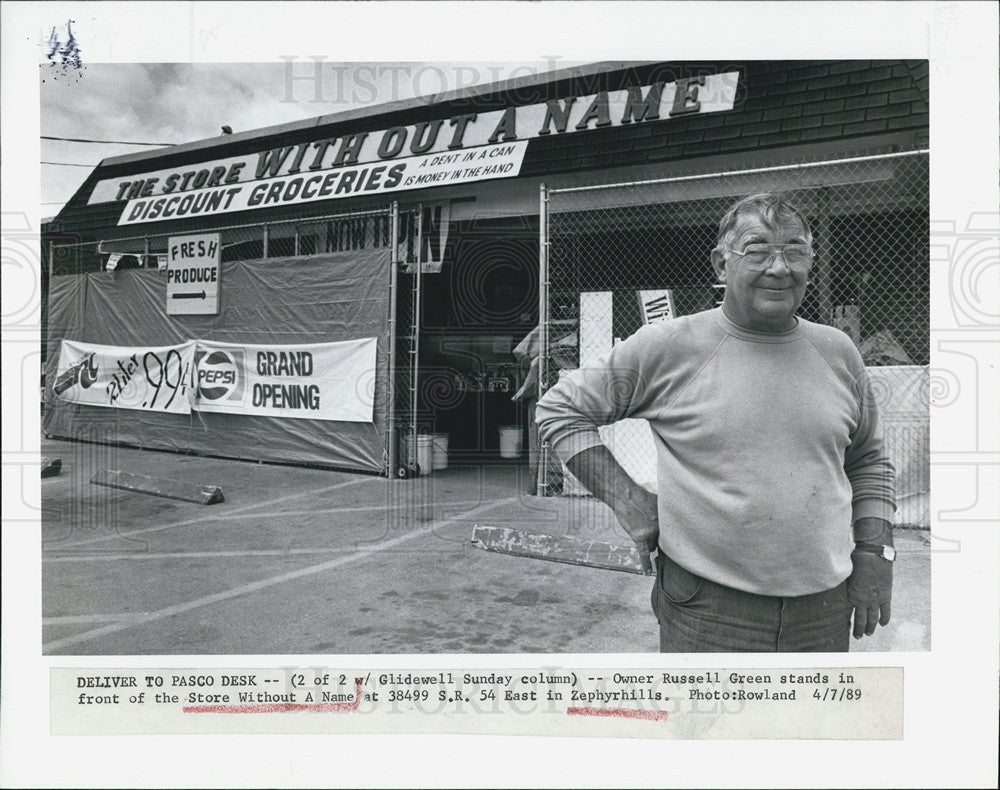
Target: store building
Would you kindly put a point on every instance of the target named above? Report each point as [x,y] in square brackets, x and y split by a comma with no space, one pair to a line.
[622,169]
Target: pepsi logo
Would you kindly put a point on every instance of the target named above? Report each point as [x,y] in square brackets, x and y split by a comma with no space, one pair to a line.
[220,375]
[88,371]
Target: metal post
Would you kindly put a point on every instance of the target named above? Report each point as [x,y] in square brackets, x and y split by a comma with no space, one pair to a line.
[145,252]
[543,326]
[415,345]
[391,438]
[52,260]
[821,271]
[267,238]
[296,241]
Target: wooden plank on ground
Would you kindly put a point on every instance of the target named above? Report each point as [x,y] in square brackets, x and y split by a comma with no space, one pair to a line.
[570,549]
[154,486]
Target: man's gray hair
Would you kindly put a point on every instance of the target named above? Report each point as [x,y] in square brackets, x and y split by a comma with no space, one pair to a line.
[773,208]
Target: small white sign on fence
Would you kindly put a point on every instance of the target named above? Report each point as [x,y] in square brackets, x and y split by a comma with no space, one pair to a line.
[656,305]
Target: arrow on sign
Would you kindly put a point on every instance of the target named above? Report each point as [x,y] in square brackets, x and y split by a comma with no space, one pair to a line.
[199,295]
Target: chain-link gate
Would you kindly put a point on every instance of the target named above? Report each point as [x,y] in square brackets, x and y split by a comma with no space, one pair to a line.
[382,227]
[617,256]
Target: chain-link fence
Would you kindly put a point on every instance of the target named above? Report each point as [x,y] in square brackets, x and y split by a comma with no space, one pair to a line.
[621,255]
[278,239]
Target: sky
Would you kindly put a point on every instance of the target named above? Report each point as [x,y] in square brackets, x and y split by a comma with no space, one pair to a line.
[182,102]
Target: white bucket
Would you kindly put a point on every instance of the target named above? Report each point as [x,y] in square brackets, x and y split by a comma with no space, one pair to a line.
[439,454]
[510,441]
[424,452]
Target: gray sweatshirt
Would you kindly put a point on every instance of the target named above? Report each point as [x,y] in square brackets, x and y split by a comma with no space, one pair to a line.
[767,448]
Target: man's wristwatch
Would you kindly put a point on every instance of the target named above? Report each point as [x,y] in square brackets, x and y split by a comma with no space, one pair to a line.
[886,552]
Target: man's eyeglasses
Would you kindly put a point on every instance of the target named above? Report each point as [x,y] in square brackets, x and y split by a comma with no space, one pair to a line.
[759,257]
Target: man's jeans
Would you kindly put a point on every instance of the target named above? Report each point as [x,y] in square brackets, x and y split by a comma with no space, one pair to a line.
[700,616]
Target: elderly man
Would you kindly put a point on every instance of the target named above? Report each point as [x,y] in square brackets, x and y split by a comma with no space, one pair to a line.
[773,519]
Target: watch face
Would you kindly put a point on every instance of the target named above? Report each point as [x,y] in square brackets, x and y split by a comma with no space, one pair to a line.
[889,553]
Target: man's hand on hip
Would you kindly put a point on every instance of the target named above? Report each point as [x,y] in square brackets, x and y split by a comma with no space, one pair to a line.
[869,587]
[633,506]
[637,513]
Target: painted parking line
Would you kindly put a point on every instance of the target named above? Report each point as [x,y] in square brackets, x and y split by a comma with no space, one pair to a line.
[59,547]
[214,516]
[104,556]
[84,619]
[272,581]
[195,555]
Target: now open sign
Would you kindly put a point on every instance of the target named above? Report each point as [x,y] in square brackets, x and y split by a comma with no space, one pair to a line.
[193,274]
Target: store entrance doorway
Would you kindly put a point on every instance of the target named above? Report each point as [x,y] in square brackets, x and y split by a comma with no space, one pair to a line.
[474,313]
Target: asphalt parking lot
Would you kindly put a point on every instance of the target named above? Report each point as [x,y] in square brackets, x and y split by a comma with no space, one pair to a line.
[311,561]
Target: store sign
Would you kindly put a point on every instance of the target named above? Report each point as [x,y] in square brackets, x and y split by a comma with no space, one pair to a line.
[323,381]
[149,379]
[194,271]
[496,161]
[464,148]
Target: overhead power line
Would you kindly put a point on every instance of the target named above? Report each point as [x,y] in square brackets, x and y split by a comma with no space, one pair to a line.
[110,142]
[67,164]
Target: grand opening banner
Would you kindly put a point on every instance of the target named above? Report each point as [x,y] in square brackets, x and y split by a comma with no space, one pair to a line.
[325,381]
